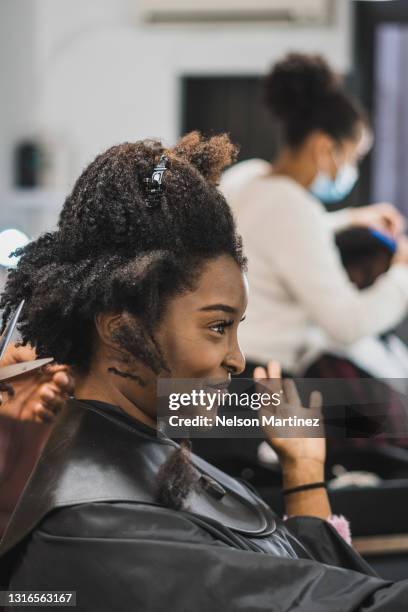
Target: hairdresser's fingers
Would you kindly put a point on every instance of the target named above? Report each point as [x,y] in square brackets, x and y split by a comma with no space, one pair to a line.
[17,354]
[40,414]
[53,368]
[50,400]
[63,382]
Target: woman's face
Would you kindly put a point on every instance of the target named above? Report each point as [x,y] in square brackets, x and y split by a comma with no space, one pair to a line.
[332,155]
[198,334]
[342,154]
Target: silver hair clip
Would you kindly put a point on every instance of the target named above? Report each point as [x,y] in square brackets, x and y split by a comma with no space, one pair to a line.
[154,185]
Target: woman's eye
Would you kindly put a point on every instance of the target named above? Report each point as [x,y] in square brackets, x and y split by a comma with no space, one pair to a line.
[220,327]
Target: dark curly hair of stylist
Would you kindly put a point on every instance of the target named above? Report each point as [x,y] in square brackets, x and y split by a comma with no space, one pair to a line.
[304,94]
[120,249]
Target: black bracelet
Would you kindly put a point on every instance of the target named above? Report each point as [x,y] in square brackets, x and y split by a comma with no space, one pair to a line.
[306,487]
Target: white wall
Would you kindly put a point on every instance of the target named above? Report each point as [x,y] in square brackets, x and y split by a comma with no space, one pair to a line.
[17,79]
[101,78]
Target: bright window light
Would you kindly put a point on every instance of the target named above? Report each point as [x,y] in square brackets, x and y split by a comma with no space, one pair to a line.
[10,240]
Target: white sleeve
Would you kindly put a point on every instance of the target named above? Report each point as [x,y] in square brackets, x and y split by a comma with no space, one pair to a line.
[339,220]
[304,253]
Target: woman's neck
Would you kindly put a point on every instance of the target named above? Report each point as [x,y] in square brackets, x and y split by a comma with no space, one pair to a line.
[295,164]
[100,386]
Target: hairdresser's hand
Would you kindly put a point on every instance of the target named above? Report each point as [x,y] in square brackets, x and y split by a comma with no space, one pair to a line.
[38,395]
[292,450]
[401,256]
[383,217]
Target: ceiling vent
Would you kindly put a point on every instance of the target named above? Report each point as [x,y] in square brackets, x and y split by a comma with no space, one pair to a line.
[296,12]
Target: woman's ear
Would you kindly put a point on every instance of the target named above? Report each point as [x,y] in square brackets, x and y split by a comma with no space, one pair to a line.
[120,360]
[321,151]
[106,324]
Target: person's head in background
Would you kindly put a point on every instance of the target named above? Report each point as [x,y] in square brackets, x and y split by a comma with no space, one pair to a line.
[324,130]
[366,254]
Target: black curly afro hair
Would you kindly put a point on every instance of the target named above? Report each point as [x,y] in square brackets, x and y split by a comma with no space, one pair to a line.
[118,248]
[305,95]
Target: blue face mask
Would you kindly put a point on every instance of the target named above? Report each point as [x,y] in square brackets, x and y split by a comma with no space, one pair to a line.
[330,190]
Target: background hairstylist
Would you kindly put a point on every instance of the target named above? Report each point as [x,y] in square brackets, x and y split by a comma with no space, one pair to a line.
[295,274]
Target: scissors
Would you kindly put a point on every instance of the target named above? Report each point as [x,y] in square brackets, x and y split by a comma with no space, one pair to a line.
[17,369]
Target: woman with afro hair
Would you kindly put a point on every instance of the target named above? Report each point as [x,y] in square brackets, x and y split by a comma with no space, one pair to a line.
[145,279]
[298,283]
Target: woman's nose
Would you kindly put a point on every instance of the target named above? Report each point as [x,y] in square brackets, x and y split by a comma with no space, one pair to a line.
[235,362]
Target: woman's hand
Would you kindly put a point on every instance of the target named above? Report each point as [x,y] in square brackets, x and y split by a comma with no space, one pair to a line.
[302,458]
[38,395]
[383,217]
[291,449]
[401,256]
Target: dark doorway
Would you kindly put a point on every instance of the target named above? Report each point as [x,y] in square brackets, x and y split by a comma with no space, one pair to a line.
[230,104]
[234,104]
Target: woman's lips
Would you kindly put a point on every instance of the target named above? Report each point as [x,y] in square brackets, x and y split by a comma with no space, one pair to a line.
[218,386]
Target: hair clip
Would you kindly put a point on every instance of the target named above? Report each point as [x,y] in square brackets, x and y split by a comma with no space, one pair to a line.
[154,185]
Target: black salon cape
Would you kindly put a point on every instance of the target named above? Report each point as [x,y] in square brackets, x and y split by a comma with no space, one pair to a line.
[88,522]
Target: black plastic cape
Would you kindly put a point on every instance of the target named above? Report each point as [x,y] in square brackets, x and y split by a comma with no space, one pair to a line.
[88,522]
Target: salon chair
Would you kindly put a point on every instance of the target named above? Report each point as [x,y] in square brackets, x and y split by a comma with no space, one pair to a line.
[377,515]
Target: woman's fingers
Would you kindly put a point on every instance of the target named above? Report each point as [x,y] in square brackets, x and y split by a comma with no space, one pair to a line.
[291,393]
[316,405]
[290,396]
[269,377]
[392,218]
[274,370]
[316,400]
[260,373]
[260,376]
